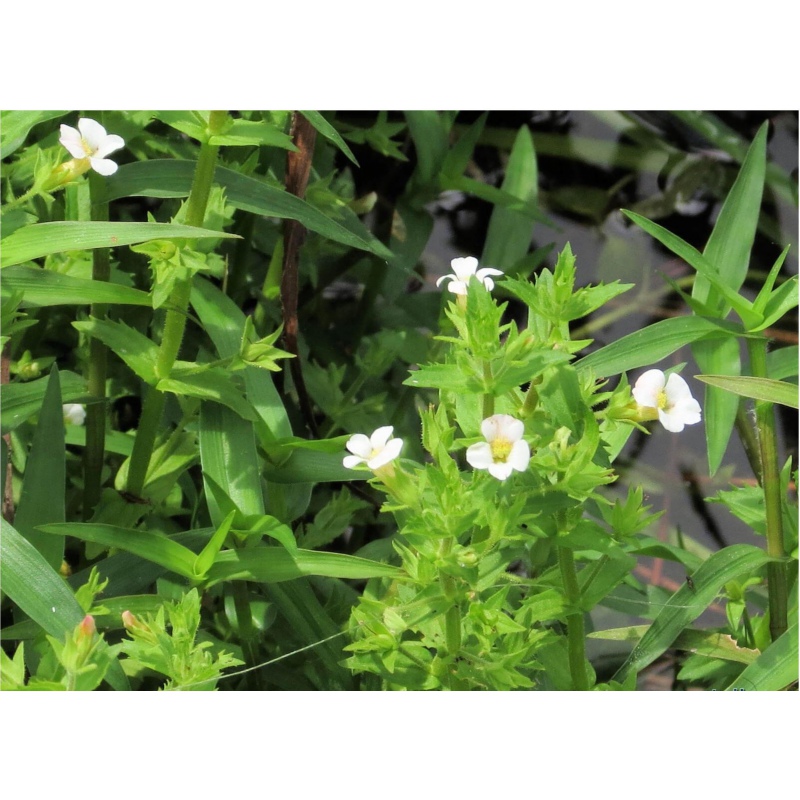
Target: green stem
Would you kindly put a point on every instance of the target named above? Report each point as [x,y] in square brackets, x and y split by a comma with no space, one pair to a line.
[97,369]
[488,397]
[576,633]
[768,447]
[452,619]
[749,441]
[175,322]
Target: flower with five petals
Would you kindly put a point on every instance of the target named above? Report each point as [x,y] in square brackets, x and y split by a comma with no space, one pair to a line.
[465,269]
[504,449]
[90,141]
[671,397]
[375,451]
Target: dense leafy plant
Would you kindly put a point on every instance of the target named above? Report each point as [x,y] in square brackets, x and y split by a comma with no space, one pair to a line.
[293,473]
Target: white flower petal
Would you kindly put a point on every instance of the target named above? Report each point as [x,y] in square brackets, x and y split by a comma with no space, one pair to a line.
[74,413]
[359,444]
[457,287]
[445,278]
[490,428]
[109,145]
[387,454]
[672,422]
[645,391]
[352,461]
[380,437]
[72,140]
[520,456]
[488,284]
[483,272]
[509,427]
[677,389]
[103,166]
[479,455]
[93,133]
[500,471]
[464,268]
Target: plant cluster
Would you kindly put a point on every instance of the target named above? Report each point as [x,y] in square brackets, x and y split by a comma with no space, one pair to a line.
[281,470]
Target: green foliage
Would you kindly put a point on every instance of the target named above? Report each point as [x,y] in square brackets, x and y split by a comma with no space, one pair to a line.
[167,644]
[226,529]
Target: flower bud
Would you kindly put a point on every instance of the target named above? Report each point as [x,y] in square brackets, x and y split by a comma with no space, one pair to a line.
[87,628]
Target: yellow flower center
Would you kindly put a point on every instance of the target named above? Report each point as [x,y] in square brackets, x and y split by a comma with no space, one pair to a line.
[87,148]
[661,399]
[501,448]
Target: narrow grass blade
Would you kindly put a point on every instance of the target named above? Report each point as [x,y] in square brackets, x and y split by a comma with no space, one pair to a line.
[774,669]
[275,564]
[35,586]
[148,545]
[42,498]
[42,287]
[509,236]
[173,178]
[756,388]
[324,128]
[46,238]
[708,643]
[690,601]
[647,347]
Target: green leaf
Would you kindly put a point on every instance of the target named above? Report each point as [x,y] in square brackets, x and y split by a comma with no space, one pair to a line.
[228,456]
[42,498]
[690,601]
[509,236]
[41,287]
[173,178]
[719,358]
[728,247]
[457,159]
[708,643]
[306,466]
[134,348]
[275,564]
[22,400]
[429,132]
[775,669]
[648,346]
[210,384]
[148,545]
[783,363]
[35,586]
[781,300]
[224,322]
[324,128]
[46,238]
[757,388]
[249,132]
[16,125]
[207,555]
[702,265]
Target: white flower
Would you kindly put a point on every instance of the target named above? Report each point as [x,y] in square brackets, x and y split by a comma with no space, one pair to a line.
[375,451]
[464,269]
[671,396]
[74,413]
[91,141]
[504,449]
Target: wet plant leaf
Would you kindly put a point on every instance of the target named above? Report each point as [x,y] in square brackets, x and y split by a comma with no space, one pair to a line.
[757,388]
[774,669]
